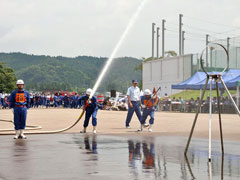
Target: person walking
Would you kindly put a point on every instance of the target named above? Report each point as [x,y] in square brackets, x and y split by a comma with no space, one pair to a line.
[133,97]
[20,103]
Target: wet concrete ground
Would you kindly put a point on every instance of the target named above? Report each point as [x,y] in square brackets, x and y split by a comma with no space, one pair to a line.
[77,156]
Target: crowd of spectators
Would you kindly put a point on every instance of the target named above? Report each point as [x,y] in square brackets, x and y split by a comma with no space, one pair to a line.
[115,104]
[71,100]
[190,105]
[46,100]
[58,100]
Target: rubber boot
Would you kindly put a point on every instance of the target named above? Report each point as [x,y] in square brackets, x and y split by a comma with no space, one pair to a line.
[17,134]
[141,128]
[84,130]
[22,136]
[94,130]
[150,128]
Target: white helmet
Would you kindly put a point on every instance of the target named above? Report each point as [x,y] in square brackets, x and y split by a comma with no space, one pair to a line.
[89,91]
[147,92]
[20,81]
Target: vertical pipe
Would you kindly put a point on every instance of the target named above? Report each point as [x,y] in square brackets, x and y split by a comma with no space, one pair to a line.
[211,58]
[228,44]
[180,34]
[183,32]
[207,36]
[163,38]
[161,68]
[210,123]
[199,102]
[183,39]
[215,58]
[163,45]
[153,31]
[236,56]
[238,95]
[198,63]
[158,42]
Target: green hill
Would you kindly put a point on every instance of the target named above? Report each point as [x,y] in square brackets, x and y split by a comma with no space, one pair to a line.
[47,72]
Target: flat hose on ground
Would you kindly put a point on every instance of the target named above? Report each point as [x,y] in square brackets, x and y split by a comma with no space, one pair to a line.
[39,127]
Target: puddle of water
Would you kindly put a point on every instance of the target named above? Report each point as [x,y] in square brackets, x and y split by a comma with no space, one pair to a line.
[74,156]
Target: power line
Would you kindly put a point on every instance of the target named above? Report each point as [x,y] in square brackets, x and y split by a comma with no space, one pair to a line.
[194,33]
[200,29]
[167,29]
[189,39]
[210,32]
[218,24]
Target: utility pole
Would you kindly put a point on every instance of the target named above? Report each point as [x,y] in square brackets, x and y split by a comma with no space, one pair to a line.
[180,34]
[158,42]
[163,38]
[153,31]
[207,36]
[183,39]
[228,44]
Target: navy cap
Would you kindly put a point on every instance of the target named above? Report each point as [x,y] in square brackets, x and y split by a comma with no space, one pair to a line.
[134,81]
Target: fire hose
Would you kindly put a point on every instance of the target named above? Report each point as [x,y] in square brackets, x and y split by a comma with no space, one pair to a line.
[28,127]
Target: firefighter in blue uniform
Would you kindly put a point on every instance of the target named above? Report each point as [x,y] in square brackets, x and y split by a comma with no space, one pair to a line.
[55,98]
[20,103]
[66,101]
[75,100]
[149,104]
[91,106]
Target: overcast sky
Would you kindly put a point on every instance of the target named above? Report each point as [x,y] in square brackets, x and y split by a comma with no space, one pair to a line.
[93,27]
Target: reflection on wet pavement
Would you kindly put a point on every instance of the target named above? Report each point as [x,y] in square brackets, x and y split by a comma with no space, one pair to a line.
[75,156]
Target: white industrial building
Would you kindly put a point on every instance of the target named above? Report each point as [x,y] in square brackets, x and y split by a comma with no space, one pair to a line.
[167,71]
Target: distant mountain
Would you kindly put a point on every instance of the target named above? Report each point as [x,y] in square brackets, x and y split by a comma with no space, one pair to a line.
[47,72]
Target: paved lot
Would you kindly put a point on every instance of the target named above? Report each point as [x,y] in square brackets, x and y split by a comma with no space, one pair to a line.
[116,152]
[113,122]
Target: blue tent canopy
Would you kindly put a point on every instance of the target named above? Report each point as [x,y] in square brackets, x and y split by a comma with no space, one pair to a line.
[234,82]
[191,82]
[197,81]
[231,78]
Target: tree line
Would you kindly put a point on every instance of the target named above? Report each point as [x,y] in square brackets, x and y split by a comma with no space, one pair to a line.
[71,74]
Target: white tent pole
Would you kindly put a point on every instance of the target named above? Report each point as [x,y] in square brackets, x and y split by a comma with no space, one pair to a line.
[199,102]
[184,100]
[238,95]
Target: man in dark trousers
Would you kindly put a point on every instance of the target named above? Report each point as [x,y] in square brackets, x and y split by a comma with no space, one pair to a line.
[133,97]
[20,103]
[91,106]
[149,104]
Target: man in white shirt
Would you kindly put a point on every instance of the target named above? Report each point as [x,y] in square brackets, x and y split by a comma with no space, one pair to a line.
[133,97]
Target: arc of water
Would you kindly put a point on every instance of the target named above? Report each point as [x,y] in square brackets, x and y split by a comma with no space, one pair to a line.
[118,45]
